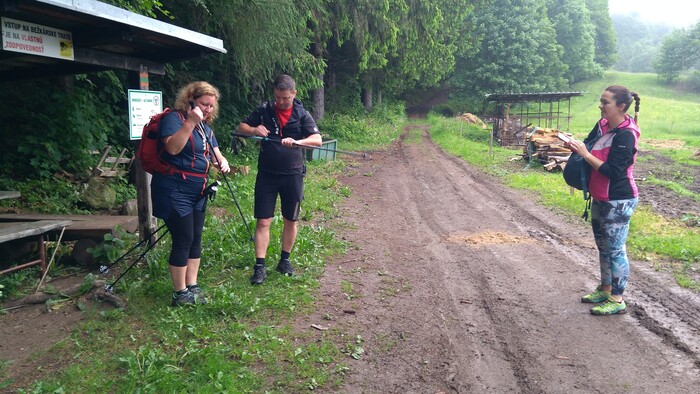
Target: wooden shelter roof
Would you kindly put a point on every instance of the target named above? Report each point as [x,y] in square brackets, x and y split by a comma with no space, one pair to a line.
[104,37]
[524,97]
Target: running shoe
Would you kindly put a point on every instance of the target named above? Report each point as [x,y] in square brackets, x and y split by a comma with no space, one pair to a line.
[183,298]
[285,267]
[596,296]
[198,293]
[259,275]
[610,307]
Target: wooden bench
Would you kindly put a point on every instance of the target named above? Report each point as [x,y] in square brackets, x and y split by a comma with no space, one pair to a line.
[10,231]
[82,226]
[87,230]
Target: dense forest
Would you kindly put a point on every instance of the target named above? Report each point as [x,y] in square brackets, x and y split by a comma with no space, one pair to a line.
[348,57]
[638,43]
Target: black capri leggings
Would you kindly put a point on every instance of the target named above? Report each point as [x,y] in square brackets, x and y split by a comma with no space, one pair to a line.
[186,233]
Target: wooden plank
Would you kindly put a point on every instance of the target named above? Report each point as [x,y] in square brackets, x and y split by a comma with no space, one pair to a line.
[82,226]
[123,160]
[9,194]
[19,230]
[116,161]
[110,173]
[97,169]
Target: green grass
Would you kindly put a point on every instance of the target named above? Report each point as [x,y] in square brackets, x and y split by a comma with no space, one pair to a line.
[364,132]
[240,342]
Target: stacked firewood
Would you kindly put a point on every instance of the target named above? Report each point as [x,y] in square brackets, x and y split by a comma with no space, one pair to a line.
[544,146]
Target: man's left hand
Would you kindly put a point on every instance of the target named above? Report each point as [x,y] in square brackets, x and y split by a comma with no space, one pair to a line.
[289,142]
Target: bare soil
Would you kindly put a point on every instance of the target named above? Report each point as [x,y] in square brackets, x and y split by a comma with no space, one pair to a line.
[457,284]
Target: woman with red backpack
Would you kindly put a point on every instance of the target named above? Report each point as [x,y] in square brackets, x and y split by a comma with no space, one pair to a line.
[188,144]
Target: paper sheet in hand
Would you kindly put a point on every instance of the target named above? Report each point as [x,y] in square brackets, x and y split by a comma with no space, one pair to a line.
[564,137]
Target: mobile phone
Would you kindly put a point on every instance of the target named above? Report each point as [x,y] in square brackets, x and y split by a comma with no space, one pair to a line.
[564,137]
[191,104]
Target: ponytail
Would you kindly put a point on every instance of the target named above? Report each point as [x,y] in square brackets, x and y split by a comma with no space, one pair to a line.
[636,105]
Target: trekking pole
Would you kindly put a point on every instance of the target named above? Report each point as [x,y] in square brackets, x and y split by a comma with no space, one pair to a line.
[209,192]
[104,269]
[255,137]
[110,287]
[228,185]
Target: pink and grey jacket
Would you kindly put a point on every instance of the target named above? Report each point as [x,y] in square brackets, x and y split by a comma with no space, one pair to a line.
[617,148]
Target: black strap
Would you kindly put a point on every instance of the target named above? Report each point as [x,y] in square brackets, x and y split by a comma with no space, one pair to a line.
[587,207]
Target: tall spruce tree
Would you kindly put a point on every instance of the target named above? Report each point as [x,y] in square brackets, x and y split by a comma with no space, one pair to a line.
[427,44]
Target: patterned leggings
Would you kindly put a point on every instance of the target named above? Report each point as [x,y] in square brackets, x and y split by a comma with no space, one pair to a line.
[611,222]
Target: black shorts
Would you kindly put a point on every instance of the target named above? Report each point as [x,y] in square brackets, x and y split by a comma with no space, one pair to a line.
[290,188]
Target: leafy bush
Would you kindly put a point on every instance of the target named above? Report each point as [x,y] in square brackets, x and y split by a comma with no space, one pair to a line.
[125,191]
[366,131]
[55,195]
[110,249]
[55,122]
[49,195]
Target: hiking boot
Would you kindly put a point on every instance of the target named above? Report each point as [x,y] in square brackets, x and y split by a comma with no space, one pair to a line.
[610,307]
[198,293]
[284,267]
[596,296]
[184,298]
[259,275]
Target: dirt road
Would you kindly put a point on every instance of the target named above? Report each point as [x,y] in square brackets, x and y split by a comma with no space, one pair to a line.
[456,284]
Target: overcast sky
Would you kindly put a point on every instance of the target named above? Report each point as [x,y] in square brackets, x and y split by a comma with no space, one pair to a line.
[677,13]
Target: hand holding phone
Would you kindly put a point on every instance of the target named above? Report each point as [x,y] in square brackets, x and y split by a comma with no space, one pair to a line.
[194,108]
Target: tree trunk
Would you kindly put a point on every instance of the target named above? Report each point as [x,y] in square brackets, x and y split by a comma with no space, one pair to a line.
[319,100]
[319,95]
[367,92]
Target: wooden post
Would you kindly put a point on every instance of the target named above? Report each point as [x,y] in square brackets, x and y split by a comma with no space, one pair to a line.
[142,179]
[143,202]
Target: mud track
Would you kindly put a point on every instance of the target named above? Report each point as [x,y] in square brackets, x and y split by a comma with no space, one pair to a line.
[455,283]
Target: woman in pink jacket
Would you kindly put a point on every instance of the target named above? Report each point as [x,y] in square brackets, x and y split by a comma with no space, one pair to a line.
[614,193]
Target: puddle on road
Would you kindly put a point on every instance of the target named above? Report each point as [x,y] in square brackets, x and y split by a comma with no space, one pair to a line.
[488,238]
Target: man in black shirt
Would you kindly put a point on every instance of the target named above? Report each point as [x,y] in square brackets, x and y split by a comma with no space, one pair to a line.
[284,124]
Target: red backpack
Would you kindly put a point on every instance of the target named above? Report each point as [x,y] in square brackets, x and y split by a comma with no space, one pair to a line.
[149,151]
